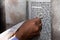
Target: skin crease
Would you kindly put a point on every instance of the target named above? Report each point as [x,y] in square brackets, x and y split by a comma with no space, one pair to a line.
[29,29]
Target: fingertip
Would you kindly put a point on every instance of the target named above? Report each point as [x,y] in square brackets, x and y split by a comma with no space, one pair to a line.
[36,19]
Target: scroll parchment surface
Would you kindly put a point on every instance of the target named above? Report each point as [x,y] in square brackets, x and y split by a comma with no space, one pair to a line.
[42,10]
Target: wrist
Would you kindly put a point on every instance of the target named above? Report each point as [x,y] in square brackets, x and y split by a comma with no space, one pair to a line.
[20,35]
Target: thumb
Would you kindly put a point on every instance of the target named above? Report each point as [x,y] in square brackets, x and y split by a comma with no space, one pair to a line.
[37,20]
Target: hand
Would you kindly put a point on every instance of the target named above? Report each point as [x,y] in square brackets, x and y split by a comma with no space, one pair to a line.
[29,29]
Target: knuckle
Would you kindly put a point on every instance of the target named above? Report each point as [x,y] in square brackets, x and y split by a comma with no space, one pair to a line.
[40,25]
[37,29]
[33,23]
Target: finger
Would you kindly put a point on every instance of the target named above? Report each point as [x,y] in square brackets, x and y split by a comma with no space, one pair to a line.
[36,34]
[39,21]
[36,19]
[38,27]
